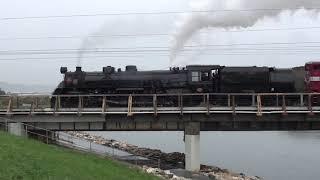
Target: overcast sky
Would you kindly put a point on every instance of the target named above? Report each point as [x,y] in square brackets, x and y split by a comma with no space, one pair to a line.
[43,69]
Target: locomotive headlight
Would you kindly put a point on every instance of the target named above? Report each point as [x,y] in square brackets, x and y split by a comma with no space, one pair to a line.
[199,90]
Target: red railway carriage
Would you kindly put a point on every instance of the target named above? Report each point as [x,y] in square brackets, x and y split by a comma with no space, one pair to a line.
[312,77]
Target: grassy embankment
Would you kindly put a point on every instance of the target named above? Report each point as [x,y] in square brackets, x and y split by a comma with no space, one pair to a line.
[22,158]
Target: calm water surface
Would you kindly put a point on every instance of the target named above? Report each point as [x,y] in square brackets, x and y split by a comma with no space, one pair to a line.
[272,155]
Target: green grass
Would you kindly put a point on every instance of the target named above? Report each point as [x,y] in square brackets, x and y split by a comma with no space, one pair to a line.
[22,158]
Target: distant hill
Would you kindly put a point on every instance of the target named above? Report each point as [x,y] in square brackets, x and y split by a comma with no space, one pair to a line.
[26,88]
[2,92]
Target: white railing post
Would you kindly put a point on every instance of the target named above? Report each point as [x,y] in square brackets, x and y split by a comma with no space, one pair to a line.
[301,100]
[208,103]
[233,105]
[253,103]
[80,105]
[180,99]
[57,105]
[155,105]
[32,106]
[310,104]
[284,106]
[259,106]
[104,99]
[9,107]
[129,105]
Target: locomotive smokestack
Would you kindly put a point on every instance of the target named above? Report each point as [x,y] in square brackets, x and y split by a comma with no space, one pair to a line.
[231,14]
[78,69]
[63,70]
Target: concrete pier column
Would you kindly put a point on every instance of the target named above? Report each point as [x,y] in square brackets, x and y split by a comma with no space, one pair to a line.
[16,129]
[192,146]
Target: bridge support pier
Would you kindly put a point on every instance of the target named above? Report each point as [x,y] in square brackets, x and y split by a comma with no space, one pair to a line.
[192,146]
[16,129]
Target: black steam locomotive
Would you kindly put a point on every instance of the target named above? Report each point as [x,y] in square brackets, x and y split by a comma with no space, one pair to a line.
[190,79]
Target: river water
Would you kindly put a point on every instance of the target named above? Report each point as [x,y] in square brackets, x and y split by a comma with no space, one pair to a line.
[271,155]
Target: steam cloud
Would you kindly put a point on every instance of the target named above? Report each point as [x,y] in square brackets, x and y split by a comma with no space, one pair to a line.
[93,41]
[105,34]
[231,19]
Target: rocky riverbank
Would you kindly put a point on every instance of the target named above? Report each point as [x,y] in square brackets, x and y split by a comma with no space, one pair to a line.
[167,160]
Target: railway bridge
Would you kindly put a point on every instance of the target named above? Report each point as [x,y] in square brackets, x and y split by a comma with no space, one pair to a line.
[190,113]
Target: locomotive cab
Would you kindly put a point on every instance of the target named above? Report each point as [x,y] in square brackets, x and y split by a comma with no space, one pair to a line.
[202,78]
[312,77]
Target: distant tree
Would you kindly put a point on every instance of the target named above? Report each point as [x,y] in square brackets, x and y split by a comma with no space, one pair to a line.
[2,92]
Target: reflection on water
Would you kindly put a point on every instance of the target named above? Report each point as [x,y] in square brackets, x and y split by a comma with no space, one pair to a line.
[272,155]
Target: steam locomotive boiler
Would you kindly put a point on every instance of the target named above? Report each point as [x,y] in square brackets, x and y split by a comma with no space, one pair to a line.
[190,79]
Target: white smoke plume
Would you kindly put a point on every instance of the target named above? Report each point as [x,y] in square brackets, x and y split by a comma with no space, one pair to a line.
[214,13]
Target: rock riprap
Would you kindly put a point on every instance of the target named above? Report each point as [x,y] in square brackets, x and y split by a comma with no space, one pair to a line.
[174,159]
